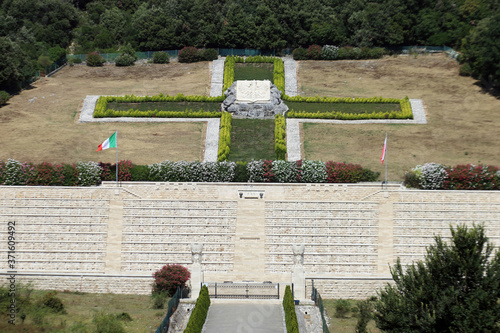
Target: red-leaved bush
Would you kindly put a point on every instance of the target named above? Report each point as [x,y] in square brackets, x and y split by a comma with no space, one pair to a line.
[169,278]
[188,54]
[472,177]
[343,172]
[314,52]
[268,171]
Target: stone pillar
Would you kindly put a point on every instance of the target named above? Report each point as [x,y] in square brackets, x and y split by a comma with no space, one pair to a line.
[298,275]
[196,272]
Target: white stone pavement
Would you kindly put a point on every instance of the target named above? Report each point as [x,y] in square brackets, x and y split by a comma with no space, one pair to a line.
[217,77]
[290,76]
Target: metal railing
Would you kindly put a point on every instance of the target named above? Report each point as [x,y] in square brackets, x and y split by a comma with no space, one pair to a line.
[172,306]
[316,297]
[243,290]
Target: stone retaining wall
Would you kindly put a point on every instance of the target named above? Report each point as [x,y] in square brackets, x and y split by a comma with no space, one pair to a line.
[108,239]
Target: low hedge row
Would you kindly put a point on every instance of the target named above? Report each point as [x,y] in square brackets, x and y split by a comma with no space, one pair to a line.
[404,113]
[434,176]
[279,137]
[278,69]
[224,137]
[200,311]
[332,52]
[102,111]
[13,172]
[292,325]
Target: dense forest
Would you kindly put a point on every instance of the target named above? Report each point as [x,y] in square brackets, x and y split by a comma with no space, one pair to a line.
[35,32]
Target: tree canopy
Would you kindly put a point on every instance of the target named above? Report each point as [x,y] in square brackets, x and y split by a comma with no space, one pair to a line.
[456,288]
[152,25]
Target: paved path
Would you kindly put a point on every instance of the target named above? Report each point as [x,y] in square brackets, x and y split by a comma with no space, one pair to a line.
[258,317]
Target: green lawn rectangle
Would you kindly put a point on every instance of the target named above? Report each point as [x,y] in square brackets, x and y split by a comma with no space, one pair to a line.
[253,71]
[166,106]
[355,108]
[252,139]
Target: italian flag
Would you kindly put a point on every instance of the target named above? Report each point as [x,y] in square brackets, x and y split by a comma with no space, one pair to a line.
[108,143]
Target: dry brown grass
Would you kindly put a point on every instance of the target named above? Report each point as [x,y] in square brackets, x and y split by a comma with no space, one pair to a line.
[46,130]
[463,122]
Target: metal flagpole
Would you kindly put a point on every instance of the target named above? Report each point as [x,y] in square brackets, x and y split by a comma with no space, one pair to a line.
[385,155]
[116,140]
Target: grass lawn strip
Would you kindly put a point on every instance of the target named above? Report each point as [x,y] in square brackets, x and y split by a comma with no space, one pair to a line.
[253,71]
[252,139]
[357,108]
[166,106]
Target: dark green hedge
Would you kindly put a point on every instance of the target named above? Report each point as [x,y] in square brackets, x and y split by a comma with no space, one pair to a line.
[292,326]
[199,314]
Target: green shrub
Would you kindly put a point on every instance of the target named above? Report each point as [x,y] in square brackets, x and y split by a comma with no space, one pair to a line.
[139,173]
[169,278]
[188,54]
[365,315]
[70,175]
[107,323]
[4,97]
[292,325]
[44,61]
[94,59]
[199,314]
[241,174]
[74,60]
[158,299]
[299,54]
[208,54]
[342,308]
[124,60]
[465,70]
[52,302]
[161,58]
[55,53]
[128,49]
[124,316]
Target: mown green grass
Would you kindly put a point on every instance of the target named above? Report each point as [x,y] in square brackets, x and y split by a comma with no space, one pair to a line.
[347,324]
[253,71]
[80,309]
[166,106]
[252,139]
[343,107]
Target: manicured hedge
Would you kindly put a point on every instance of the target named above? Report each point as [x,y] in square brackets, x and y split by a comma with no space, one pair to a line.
[292,325]
[404,113]
[279,137]
[102,111]
[224,137]
[332,52]
[200,311]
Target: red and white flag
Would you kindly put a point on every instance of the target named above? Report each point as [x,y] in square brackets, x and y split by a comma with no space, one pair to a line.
[382,158]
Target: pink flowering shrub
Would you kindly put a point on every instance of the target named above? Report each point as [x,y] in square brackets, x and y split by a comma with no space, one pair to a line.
[47,174]
[472,177]
[268,174]
[124,168]
[169,278]
[348,173]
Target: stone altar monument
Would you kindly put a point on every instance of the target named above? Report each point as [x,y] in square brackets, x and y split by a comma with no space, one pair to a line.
[253,99]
